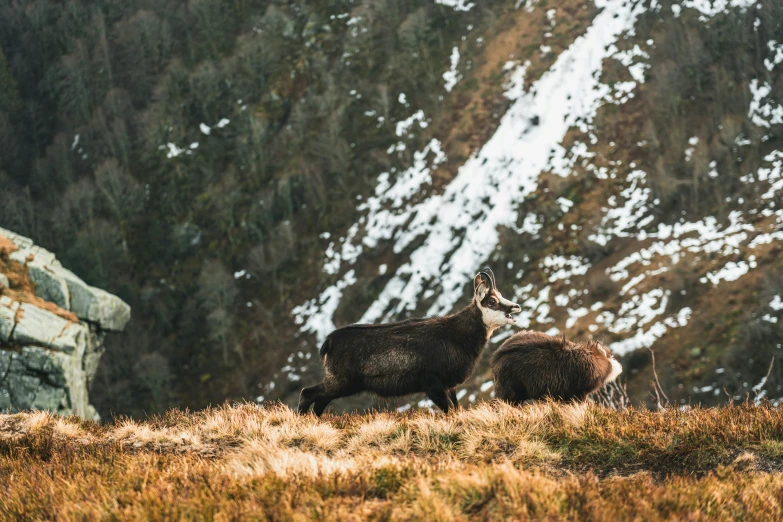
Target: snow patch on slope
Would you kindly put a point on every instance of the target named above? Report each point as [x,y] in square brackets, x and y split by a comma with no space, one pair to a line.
[777,55]
[457,5]
[646,338]
[763,111]
[631,217]
[452,76]
[317,317]
[711,8]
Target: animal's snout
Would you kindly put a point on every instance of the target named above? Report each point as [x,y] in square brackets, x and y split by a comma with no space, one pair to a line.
[512,309]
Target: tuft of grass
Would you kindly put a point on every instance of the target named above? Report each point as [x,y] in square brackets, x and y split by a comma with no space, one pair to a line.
[490,462]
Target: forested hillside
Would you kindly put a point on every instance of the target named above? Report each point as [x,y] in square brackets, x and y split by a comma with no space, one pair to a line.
[249,174]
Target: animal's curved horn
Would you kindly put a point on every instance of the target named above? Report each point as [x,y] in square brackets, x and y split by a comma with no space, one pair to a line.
[489,278]
[491,274]
[480,278]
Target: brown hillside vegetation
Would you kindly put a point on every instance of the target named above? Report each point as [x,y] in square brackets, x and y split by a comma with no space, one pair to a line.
[491,462]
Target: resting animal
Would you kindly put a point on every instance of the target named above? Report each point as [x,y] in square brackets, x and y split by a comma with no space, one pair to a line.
[533,365]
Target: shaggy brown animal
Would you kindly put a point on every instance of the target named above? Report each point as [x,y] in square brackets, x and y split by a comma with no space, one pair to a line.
[533,365]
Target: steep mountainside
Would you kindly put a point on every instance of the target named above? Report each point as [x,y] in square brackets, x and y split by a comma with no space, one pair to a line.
[249,175]
[610,215]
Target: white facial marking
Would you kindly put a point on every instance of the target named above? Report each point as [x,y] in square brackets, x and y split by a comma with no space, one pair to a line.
[496,318]
[617,369]
[493,318]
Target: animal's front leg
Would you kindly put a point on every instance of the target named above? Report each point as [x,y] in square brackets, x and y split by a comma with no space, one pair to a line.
[441,399]
[433,386]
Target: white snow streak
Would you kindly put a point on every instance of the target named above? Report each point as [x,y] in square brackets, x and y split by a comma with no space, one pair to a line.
[629,218]
[731,271]
[452,76]
[457,5]
[404,126]
[317,317]
[646,338]
[763,111]
[711,8]
[777,55]
[173,151]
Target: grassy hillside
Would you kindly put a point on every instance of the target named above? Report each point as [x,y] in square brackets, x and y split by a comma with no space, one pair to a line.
[491,462]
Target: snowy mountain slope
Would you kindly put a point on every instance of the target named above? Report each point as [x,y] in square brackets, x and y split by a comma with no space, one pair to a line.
[608,245]
[461,224]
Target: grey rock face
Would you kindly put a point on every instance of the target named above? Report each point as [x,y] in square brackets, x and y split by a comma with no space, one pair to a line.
[95,305]
[34,380]
[41,327]
[48,286]
[8,309]
[48,362]
[65,289]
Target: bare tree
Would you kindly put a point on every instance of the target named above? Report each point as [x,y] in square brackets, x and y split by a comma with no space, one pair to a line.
[217,293]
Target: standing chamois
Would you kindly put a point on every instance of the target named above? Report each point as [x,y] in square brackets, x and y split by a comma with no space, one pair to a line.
[432,355]
[533,365]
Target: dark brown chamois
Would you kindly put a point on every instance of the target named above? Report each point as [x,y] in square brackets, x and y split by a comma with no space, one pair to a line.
[532,365]
[432,355]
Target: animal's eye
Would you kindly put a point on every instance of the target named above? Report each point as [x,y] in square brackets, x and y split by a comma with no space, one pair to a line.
[491,302]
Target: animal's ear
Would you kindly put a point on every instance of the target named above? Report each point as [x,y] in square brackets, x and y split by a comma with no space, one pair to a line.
[479,287]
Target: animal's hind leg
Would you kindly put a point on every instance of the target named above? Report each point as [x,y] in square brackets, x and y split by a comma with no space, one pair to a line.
[453,398]
[515,395]
[320,406]
[330,391]
[308,396]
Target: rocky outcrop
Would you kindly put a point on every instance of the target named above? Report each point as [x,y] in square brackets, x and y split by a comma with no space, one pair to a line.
[50,341]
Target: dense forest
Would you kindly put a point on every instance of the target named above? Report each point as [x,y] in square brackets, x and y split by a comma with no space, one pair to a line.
[204,153]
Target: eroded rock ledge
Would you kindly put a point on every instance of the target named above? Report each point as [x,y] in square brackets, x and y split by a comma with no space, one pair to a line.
[52,326]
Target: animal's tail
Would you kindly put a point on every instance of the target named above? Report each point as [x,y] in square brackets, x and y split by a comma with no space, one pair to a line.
[325,347]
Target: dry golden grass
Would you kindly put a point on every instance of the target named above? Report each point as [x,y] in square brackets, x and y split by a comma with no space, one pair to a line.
[6,246]
[490,462]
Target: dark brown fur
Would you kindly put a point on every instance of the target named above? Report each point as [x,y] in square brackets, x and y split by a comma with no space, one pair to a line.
[532,365]
[432,355]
